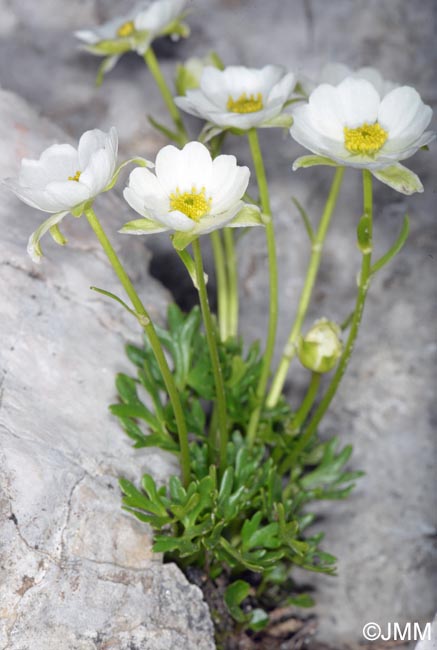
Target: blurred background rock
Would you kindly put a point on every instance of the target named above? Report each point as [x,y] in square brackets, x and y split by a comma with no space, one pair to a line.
[385,533]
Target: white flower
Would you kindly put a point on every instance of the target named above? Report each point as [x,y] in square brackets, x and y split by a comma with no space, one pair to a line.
[136,29]
[240,97]
[335,73]
[189,193]
[64,179]
[351,125]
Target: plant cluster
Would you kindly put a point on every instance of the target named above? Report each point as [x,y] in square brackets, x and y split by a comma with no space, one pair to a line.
[251,468]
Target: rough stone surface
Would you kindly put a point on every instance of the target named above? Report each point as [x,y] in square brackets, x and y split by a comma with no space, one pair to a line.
[76,572]
[384,534]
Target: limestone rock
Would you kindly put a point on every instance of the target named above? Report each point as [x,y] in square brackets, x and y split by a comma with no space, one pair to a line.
[76,572]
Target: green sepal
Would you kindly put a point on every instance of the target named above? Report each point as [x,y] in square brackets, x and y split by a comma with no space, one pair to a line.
[108,63]
[57,236]
[313,161]
[188,262]
[283,120]
[141,162]
[249,215]
[181,240]
[142,227]
[399,178]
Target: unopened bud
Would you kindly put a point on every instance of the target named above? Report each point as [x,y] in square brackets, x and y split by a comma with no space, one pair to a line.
[320,349]
[188,74]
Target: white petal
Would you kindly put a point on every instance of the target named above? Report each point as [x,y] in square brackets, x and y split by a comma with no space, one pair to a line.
[334,73]
[359,102]
[403,114]
[98,172]
[210,223]
[135,201]
[68,194]
[283,89]
[214,86]
[87,36]
[176,220]
[145,193]
[36,198]
[92,141]
[185,168]
[324,111]
[56,163]
[229,183]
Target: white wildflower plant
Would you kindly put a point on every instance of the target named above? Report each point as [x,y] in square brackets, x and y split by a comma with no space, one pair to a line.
[215,402]
[349,124]
[135,31]
[66,180]
[189,194]
[241,98]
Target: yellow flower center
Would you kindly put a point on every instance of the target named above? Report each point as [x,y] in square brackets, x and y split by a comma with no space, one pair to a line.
[75,177]
[126,29]
[365,139]
[194,204]
[245,104]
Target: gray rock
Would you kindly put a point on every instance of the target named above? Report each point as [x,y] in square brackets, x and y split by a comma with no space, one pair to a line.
[76,572]
[383,534]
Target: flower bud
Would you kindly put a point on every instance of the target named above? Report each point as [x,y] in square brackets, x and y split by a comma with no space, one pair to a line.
[320,349]
[188,74]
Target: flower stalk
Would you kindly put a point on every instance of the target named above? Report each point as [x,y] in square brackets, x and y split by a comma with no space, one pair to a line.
[273,281]
[363,287]
[215,361]
[155,69]
[316,254]
[153,338]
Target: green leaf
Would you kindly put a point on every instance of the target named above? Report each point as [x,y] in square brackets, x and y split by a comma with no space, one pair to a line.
[141,318]
[399,178]
[57,236]
[302,600]
[234,596]
[258,620]
[312,161]
[109,62]
[397,246]
[305,219]
[142,162]
[168,133]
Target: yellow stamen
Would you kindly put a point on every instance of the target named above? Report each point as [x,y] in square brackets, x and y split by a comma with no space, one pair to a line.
[245,104]
[365,139]
[194,204]
[126,29]
[75,177]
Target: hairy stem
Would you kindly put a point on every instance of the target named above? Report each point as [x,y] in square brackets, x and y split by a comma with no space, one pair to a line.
[316,254]
[273,281]
[153,338]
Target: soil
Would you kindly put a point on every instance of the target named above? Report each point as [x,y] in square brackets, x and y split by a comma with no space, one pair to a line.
[289,627]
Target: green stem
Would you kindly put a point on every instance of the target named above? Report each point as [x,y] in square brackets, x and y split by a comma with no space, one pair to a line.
[232,268]
[154,67]
[316,254]
[153,338]
[273,281]
[213,351]
[222,283]
[308,401]
[363,286]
